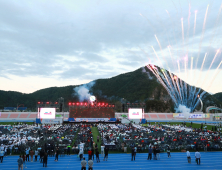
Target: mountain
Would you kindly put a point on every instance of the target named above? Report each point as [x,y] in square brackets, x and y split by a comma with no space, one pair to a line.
[137,86]
[218,96]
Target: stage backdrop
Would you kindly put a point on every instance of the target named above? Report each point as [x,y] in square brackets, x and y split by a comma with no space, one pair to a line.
[89,112]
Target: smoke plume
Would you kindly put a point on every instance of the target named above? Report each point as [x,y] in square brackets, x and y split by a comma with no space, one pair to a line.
[83,91]
[183,109]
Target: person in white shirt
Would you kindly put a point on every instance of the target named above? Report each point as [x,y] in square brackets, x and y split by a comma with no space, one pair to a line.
[197,156]
[188,157]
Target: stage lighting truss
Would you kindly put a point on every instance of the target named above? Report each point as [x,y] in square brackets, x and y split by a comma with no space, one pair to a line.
[92,104]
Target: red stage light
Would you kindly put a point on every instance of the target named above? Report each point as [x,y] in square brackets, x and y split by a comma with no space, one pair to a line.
[73,103]
[56,102]
[70,104]
[85,103]
[113,105]
[102,103]
[98,104]
[47,102]
[39,102]
[77,104]
[81,103]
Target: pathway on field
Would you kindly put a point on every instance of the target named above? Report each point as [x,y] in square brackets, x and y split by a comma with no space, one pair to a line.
[209,160]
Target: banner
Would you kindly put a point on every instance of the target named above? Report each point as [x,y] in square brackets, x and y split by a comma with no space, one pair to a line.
[192,116]
[51,121]
[92,119]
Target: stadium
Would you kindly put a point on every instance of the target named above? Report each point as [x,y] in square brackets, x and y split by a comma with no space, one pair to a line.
[106,85]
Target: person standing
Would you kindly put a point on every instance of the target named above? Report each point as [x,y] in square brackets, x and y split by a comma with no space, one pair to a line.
[41,155]
[106,153]
[205,147]
[168,152]
[81,153]
[97,156]
[197,156]
[90,164]
[150,151]
[83,164]
[6,151]
[133,154]
[20,163]
[45,157]
[154,153]
[188,157]
[31,154]
[92,153]
[57,154]
[158,153]
[98,138]
[89,154]
[27,154]
[68,150]
[36,155]
[1,155]
[23,157]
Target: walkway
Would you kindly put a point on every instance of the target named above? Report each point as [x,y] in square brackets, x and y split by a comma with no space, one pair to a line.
[209,160]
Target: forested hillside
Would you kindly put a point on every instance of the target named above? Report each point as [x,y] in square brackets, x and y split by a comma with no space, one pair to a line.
[137,86]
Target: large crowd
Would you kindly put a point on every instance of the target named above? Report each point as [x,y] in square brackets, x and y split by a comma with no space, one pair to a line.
[177,137]
[38,142]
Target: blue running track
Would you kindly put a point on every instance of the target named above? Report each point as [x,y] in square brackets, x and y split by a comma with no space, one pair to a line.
[209,160]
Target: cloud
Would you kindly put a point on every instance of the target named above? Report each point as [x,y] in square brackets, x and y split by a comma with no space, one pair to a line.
[82,40]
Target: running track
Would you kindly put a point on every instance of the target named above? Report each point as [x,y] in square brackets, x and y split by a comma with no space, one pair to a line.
[209,160]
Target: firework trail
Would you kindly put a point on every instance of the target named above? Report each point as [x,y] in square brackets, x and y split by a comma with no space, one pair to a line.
[187,39]
[191,67]
[202,68]
[161,51]
[182,33]
[210,67]
[149,22]
[215,75]
[202,36]
[181,92]
[194,28]
[178,63]
[188,30]
[157,56]
[171,57]
[173,27]
[175,87]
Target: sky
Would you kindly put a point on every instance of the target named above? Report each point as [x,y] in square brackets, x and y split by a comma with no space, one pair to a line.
[48,43]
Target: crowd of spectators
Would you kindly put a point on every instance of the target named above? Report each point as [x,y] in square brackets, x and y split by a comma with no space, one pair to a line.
[37,142]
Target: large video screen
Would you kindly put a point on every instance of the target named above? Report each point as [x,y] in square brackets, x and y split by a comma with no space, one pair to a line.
[47,113]
[88,112]
[135,113]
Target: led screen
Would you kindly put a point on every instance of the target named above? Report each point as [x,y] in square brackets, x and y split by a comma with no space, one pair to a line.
[135,113]
[87,112]
[47,113]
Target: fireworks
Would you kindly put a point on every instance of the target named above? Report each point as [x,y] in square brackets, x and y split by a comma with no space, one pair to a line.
[177,89]
[181,92]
